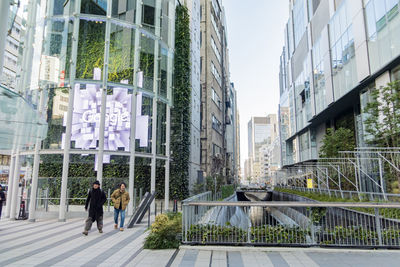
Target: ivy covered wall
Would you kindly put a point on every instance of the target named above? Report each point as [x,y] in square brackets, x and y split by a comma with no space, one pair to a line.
[181,112]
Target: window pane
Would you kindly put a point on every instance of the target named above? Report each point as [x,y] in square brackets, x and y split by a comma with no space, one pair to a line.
[90,48]
[147,61]
[124,10]
[122,54]
[96,7]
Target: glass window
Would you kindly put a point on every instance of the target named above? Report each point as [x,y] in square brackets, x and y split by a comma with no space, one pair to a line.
[216,74]
[342,47]
[214,23]
[216,124]
[56,53]
[90,48]
[61,7]
[299,20]
[125,10]
[56,118]
[163,72]
[144,113]
[148,15]
[122,54]
[147,61]
[96,7]
[383,32]
[161,128]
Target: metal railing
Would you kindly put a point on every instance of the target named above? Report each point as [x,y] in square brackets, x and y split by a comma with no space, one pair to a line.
[362,196]
[295,224]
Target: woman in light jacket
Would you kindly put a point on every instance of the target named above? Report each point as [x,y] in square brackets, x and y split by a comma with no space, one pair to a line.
[120,198]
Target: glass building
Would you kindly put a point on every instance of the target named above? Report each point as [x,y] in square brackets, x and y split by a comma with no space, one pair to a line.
[335,53]
[105,77]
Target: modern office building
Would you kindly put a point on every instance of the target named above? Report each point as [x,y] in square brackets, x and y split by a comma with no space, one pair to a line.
[105,79]
[336,52]
[215,86]
[262,131]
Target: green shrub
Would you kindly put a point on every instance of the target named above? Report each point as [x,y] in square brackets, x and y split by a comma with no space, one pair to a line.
[227,190]
[164,232]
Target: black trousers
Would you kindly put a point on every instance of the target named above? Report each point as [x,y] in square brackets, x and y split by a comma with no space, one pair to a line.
[1,207]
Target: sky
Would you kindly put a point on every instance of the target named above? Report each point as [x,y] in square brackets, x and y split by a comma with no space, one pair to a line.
[255,42]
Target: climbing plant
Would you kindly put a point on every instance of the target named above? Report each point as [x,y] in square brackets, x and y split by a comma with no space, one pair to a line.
[181,112]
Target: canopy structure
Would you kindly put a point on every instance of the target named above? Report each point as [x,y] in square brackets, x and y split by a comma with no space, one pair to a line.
[20,122]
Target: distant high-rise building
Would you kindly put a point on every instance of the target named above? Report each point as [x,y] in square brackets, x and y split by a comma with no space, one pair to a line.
[262,131]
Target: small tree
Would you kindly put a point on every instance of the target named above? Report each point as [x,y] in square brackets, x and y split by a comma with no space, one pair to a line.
[383,120]
[335,141]
[383,124]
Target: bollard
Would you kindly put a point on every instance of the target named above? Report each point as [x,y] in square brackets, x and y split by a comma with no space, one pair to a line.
[155,208]
[161,207]
[140,194]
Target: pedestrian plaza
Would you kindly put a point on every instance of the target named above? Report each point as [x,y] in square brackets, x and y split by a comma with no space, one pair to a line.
[54,243]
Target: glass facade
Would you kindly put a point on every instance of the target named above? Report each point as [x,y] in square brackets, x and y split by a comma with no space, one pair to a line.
[303,97]
[319,78]
[344,69]
[107,68]
[383,31]
[299,20]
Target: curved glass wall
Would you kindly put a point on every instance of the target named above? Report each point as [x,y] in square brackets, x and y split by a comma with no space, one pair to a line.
[107,68]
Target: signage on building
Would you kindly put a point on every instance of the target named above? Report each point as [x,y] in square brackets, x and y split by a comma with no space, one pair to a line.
[86,116]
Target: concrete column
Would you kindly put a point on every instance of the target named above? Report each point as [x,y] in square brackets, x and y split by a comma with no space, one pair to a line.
[132,152]
[10,184]
[167,162]
[155,90]
[35,171]
[132,141]
[67,140]
[4,13]
[14,193]
[100,154]
[28,48]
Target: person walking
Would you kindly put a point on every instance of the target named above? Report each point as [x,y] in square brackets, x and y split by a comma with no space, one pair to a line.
[120,198]
[95,200]
[2,199]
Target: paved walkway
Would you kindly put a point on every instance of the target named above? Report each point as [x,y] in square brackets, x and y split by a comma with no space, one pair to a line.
[52,243]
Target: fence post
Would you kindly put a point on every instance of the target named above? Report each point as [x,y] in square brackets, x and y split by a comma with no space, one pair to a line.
[140,194]
[108,199]
[381,179]
[249,226]
[378,226]
[46,203]
[67,200]
[184,222]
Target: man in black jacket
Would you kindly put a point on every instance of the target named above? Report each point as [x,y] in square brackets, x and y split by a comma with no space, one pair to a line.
[95,200]
[2,199]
